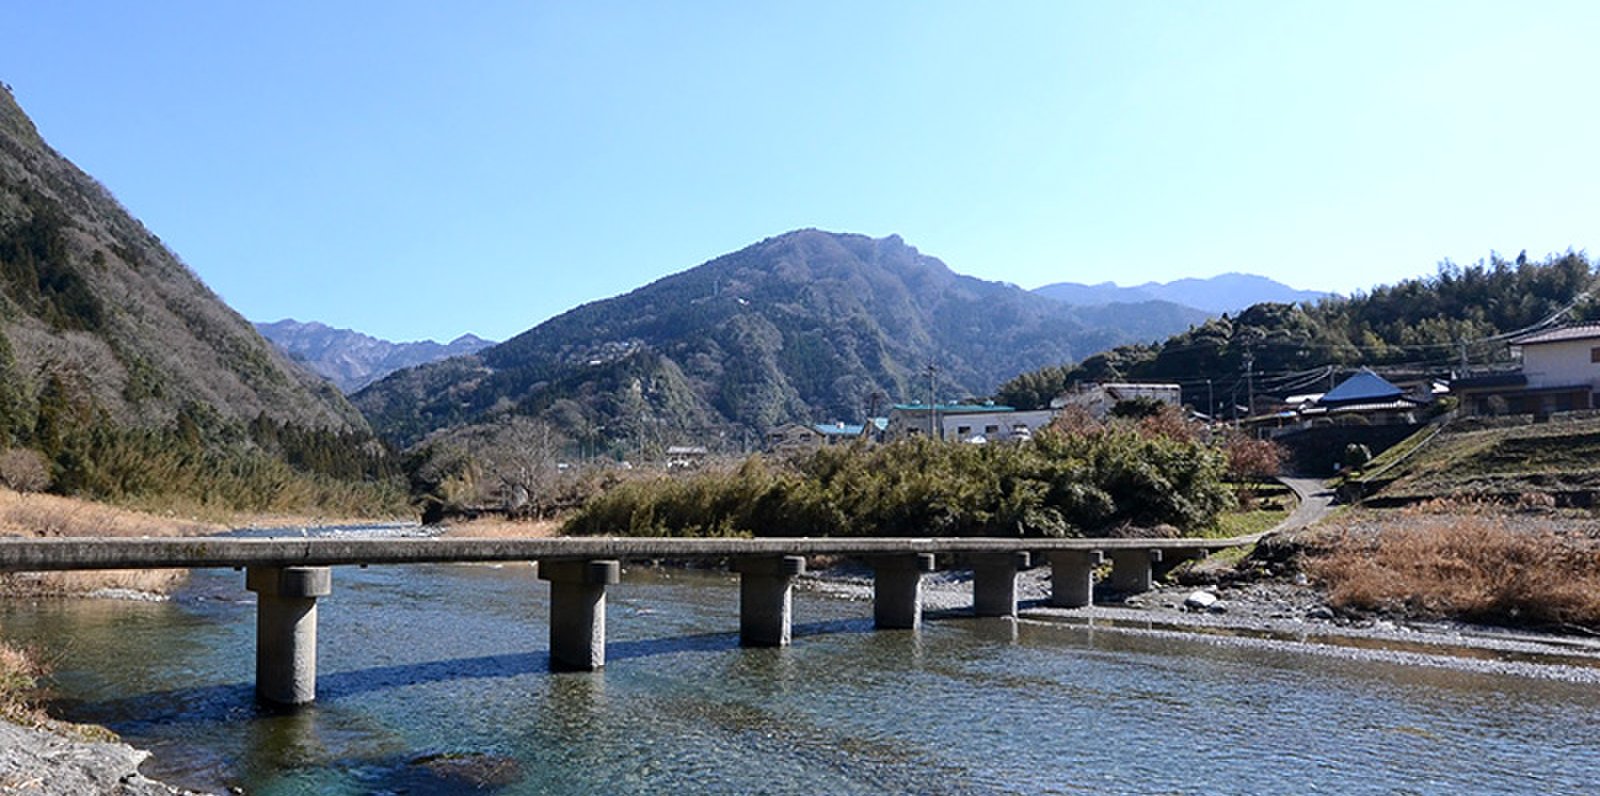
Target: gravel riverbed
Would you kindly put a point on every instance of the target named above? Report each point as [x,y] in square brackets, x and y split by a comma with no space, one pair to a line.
[1280,614]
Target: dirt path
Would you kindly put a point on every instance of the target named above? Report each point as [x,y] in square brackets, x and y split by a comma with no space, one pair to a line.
[1316,501]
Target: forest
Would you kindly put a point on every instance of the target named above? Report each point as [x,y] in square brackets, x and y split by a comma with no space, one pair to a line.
[1458,318]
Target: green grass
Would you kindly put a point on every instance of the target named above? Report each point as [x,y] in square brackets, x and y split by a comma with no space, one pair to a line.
[1499,461]
[1242,523]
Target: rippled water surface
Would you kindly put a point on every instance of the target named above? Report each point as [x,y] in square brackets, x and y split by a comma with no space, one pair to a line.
[433,680]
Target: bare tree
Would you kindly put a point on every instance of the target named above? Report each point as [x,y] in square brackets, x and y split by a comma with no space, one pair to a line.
[525,457]
[24,470]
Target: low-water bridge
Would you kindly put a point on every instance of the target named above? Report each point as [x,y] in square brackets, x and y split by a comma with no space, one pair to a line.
[289,574]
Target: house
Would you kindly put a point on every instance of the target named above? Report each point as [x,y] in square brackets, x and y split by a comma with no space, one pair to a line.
[797,436]
[793,436]
[838,432]
[1100,399]
[1560,372]
[976,423]
[1364,398]
[686,456]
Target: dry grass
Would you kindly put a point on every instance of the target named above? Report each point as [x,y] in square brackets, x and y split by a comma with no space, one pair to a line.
[497,528]
[49,515]
[19,689]
[1472,563]
[35,515]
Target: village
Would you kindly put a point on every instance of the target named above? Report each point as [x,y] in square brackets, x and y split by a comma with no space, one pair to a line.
[1551,374]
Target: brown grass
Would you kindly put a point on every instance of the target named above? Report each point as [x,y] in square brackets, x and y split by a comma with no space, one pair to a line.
[498,528]
[49,515]
[20,695]
[35,515]
[1477,565]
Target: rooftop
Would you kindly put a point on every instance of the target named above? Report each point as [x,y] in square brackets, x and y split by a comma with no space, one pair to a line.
[955,408]
[1364,387]
[839,429]
[1585,331]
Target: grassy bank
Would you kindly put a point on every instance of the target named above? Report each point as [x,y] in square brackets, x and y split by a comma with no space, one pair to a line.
[1476,563]
[39,515]
[20,696]
[1491,460]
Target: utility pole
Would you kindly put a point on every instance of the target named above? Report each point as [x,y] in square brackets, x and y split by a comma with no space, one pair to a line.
[1211,403]
[933,401]
[1250,384]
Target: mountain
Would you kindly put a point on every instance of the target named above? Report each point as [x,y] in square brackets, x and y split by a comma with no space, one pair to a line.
[353,360]
[118,366]
[806,326]
[1222,293]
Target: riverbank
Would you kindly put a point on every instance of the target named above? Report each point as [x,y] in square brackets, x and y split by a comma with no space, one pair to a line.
[41,756]
[37,762]
[1266,613]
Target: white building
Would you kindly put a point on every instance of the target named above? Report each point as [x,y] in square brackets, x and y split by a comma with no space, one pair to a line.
[1560,373]
[976,423]
[1100,399]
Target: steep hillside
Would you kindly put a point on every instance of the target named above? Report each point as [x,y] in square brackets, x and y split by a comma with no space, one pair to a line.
[810,325]
[1221,293]
[352,360]
[112,351]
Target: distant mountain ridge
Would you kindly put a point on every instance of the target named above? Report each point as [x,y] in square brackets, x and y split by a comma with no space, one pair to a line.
[810,325]
[1230,292]
[351,359]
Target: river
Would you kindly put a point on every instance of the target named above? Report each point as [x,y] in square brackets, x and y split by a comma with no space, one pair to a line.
[434,680]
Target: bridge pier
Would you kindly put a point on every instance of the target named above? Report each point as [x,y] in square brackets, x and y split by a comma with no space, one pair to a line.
[1072,577]
[286,630]
[897,589]
[1132,570]
[765,606]
[578,611]
[994,582]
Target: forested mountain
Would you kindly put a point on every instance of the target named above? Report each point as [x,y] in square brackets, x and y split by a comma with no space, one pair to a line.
[120,372]
[806,326]
[1429,325]
[1221,293]
[352,360]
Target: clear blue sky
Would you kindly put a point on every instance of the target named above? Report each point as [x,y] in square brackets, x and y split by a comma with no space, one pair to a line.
[424,169]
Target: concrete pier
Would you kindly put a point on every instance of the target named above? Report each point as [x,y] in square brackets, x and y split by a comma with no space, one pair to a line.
[1131,570]
[994,582]
[1072,577]
[286,630]
[897,589]
[578,611]
[765,605]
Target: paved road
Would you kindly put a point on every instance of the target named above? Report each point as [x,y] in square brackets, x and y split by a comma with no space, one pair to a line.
[1316,500]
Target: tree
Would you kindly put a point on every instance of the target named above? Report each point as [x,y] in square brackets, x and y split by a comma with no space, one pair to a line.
[24,470]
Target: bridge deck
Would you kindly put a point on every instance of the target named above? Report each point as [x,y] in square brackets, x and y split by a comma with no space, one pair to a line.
[31,555]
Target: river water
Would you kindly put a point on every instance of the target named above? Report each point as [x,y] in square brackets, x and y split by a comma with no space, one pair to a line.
[434,680]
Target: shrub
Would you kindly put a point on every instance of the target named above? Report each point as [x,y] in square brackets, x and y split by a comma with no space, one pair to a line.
[1073,482]
[24,470]
[19,691]
[1251,459]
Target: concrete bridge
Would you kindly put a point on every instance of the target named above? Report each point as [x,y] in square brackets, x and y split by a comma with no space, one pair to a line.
[289,574]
